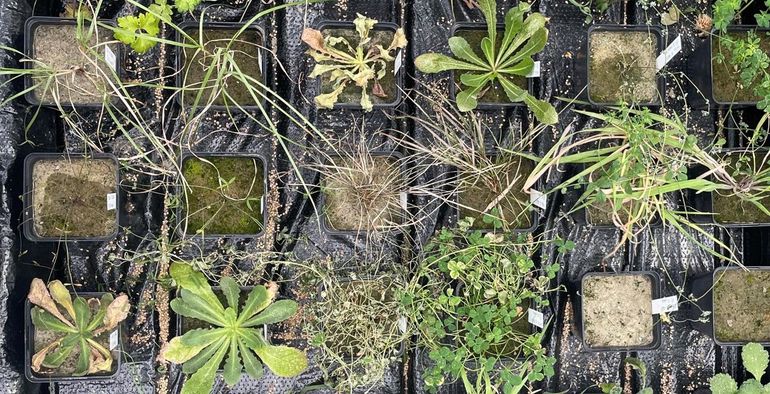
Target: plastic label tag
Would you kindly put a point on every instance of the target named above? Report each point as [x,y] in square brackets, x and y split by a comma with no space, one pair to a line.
[535,318]
[402,324]
[114,340]
[535,73]
[112,201]
[673,49]
[665,304]
[259,60]
[538,199]
[398,61]
[110,58]
[404,201]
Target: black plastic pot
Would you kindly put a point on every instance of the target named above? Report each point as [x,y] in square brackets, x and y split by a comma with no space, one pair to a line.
[399,78]
[29,349]
[702,289]
[28,220]
[656,330]
[208,26]
[714,34]
[474,26]
[653,30]
[329,229]
[29,36]
[180,192]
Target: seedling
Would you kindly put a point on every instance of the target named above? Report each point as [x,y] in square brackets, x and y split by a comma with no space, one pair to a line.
[755,360]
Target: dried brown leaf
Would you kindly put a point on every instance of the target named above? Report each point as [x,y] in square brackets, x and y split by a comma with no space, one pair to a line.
[314,39]
[38,295]
[37,358]
[117,311]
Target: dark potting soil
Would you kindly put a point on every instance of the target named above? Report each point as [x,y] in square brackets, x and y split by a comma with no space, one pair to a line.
[244,53]
[69,197]
[361,197]
[352,94]
[622,67]
[729,208]
[726,78]
[225,195]
[617,310]
[81,72]
[494,92]
[477,192]
[742,306]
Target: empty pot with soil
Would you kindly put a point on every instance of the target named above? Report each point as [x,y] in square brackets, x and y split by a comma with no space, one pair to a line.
[223,195]
[741,302]
[71,197]
[71,67]
[617,310]
[621,65]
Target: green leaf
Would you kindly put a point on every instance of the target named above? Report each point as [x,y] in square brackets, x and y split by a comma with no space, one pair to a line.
[202,380]
[755,359]
[46,321]
[722,383]
[232,292]
[186,5]
[82,313]
[489,9]
[56,358]
[232,372]
[466,100]
[257,300]
[250,362]
[607,387]
[751,386]
[276,312]
[196,362]
[646,390]
[431,63]
[535,44]
[475,80]
[177,352]
[282,360]
[98,318]
[514,19]
[186,277]
[81,367]
[191,305]
[461,49]
[638,365]
[488,48]
[531,25]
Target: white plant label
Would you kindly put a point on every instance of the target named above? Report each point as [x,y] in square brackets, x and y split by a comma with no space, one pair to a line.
[665,304]
[402,326]
[398,61]
[110,58]
[112,201]
[114,340]
[673,49]
[538,199]
[259,60]
[535,73]
[536,318]
[404,200]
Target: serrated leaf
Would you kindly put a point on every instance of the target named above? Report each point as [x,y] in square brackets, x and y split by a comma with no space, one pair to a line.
[755,359]
[250,362]
[202,380]
[284,361]
[431,63]
[232,372]
[231,291]
[186,5]
[460,48]
[274,313]
[723,384]
[199,360]
[257,300]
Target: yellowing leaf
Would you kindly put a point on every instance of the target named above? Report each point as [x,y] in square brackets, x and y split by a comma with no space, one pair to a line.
[284,361]
[177,352]
[62,296]
[38,295]
[364,25]
[329,99]
[399,40]
[37,358]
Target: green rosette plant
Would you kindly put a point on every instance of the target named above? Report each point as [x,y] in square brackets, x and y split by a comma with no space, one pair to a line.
[755,360]
[503,59]
[235,332]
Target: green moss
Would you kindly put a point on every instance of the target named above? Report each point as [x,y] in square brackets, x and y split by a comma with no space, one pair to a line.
[740,301]
[730,208]
[726,79]
[622,67]
[494,93]
[476,193]
[226,195]
[246,54]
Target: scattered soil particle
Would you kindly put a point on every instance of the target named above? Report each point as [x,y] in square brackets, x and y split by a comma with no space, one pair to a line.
[81,77]
[69,197]
[727,85]
[622,67]
[742,306]
[617,310]
[245,54]
[226,194]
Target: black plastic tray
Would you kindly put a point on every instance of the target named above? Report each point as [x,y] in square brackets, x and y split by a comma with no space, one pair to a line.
[29,27]
[733,28]
[29,349]
[656,329]
[654,30]
[28,222]
[180,60]
[181,225]
[399,79]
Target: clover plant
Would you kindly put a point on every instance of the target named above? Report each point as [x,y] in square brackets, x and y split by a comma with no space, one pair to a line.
[235,334]
[503,59]
[363,65]
[77,323]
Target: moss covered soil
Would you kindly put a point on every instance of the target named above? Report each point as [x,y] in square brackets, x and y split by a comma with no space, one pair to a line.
[742,306]
[622,67]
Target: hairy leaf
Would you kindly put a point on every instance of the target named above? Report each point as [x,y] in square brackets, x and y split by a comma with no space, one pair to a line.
[257,300]
[282,360]
[467,100]
[231,291]
[431,63]
[755,359]
[250,362]
[514,19]
[460,48]
[276,312]
[475,80]
[202,380]
[187,278]
[197,361]
[722,383]
[191,305]
[232,372]
[177,352]
[489,9]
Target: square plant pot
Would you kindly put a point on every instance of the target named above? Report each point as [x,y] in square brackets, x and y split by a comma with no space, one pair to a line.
[112,341]
[340,217]
[221,201]
[740,303]
[53,42]
[248,54]
[726,87]
[616,311]
[382,34]
[478,197]
[494,97]
[70,197]
[621,65]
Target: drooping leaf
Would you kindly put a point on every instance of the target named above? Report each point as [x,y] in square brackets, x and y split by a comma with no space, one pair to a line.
[54,359]
[460,48]
[232,372]
[37,358]
[755,359]
[722,383]
[98,318]
[366,101]
[399,40]
[62,296]
[363,25]
[283,360]
[38,295]
[274,313]
[328,100]
[202,380]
